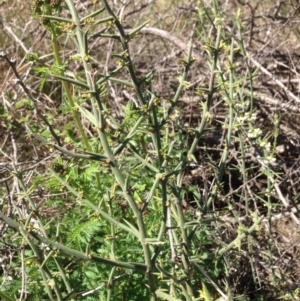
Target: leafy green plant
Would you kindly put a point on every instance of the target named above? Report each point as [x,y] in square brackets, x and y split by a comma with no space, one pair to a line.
[112,221]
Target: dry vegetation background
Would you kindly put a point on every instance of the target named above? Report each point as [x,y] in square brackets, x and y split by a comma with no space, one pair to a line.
[272,38]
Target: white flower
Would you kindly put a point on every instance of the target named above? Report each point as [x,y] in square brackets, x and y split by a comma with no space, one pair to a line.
[265,145]
[240,119]
[250,116]
[241,106]
[269,160]
[254,133]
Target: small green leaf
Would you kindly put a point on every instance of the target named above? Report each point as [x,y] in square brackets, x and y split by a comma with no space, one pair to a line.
[164,296]
[5,297]
[88,115]
[25,103]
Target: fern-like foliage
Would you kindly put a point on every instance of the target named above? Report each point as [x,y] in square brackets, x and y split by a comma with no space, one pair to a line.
[83,233]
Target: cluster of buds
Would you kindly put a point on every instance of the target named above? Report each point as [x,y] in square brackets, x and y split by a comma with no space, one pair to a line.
[37,5]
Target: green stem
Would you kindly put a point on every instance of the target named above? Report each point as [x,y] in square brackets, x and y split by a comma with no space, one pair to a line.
[77,254]
[208,103]
[69,95]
